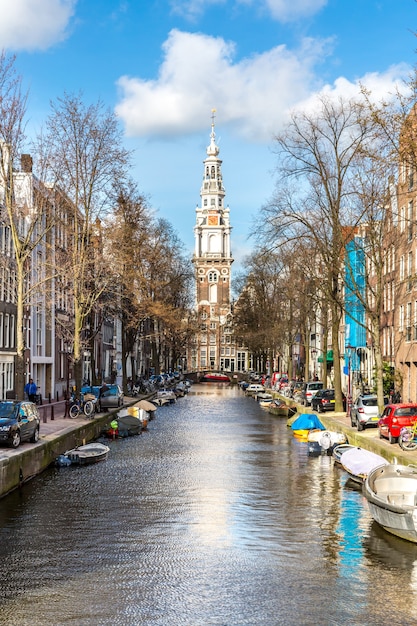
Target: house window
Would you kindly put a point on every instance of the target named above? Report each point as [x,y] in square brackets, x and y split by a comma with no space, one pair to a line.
[410,220]
[402,219]
[402,267]
[408,322]
[415,322]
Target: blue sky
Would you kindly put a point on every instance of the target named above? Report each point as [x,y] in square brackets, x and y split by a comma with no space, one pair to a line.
[164,64]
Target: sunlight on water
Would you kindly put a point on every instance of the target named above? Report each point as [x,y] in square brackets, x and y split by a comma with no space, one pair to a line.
[214,516]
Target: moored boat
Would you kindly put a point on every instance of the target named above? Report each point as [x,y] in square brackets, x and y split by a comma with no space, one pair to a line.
[304,424]
[358,462]
[281,409]
[214,377]
[84,455]
[164,396]
[324,441]
[391,492]
[339,450]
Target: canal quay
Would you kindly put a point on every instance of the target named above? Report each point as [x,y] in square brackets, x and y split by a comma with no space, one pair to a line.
[214,516]
[58,433]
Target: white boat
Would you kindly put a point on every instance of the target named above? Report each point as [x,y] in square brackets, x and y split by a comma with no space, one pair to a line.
[327,438]
[358,462]
[339,450]
[164,397]
[264,399]
[84,455]
[320,441]
[265,403]
[391,492]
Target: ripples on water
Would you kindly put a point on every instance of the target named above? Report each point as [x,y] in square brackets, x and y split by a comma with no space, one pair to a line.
[215,516]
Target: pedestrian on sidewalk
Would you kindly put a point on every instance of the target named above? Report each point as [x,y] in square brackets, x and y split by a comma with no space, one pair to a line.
[30,390]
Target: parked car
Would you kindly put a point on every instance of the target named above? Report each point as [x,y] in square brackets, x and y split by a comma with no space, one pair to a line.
[19,421]
[324,400]
[395,417]
[111,397]
[364,411]
[309,391]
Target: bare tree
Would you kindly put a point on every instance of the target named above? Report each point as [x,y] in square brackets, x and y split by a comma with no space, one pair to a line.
[81,149]
[318,158]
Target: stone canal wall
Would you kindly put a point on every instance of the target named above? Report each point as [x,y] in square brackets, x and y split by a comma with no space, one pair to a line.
[18,466]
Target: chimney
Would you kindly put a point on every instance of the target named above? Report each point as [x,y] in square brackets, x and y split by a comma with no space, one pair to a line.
[26,163]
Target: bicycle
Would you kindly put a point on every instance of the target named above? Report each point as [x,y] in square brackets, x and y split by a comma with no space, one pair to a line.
[81,406]
[408,437]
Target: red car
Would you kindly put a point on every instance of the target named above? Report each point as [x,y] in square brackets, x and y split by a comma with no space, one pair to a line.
[395,417]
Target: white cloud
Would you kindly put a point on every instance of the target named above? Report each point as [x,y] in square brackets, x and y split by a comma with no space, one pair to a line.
[34,24]
[198,73]
[289,10]
[253,97]
[380,86]
[280,10]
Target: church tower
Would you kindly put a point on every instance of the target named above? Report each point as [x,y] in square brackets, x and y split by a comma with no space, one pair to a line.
[212,261]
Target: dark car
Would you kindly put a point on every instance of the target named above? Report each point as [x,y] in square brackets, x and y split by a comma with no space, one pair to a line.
[394,418]
[111,397]
[324,400]
[19,421]
[364,411]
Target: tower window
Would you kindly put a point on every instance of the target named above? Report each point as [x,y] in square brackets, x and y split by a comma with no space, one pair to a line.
[213,202]
[205,202]
[213,277]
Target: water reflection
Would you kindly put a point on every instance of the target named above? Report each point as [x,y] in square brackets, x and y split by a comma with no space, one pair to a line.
[215,516]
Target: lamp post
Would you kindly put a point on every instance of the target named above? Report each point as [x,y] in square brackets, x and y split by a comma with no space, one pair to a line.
[349,349]
[314,357]
[67,393]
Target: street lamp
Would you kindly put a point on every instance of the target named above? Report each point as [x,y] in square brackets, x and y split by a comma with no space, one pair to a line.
[314,357]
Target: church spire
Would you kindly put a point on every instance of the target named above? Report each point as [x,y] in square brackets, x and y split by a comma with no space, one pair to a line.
[212,149]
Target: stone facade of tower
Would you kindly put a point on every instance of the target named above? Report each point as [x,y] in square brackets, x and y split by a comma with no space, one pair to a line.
[213,347]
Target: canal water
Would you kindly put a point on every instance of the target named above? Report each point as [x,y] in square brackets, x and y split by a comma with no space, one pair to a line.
[216,516]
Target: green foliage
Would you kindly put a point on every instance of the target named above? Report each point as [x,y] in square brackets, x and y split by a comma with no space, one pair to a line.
[391,378]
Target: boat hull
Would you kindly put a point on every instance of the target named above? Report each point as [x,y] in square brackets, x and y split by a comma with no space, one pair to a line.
[214,378]
[86,455]
[391,494]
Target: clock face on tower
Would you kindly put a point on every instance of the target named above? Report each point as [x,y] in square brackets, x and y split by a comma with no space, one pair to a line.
[213,220]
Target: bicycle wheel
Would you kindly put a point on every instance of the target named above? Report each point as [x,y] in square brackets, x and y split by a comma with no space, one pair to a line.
[407,440]
[74,411]
[88,408]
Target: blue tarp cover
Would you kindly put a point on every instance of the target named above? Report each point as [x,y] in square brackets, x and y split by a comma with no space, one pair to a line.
[307,421]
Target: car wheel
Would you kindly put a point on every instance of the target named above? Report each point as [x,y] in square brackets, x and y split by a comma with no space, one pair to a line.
[392,439]
[360,426]
[35,436]
[15,443]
